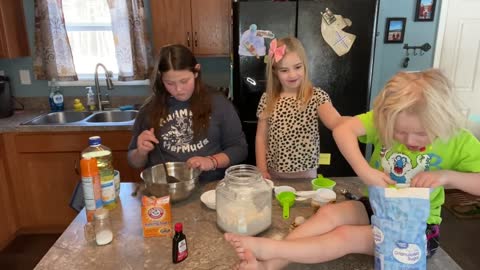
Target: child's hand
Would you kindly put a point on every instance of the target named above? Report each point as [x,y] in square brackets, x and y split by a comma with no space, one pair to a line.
[202,163]
[429,179]
[376,178]
[266,175]
[145,141]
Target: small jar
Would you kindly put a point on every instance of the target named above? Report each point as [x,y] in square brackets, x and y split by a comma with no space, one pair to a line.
[100,229]
[243,201]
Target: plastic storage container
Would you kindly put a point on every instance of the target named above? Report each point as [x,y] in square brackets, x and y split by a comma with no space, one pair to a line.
[104,158]
[243,201]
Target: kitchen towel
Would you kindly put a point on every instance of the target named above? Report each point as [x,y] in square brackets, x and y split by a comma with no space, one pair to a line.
[77,202]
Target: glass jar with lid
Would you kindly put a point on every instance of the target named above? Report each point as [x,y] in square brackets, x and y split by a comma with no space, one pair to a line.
[243,201]
[100,229]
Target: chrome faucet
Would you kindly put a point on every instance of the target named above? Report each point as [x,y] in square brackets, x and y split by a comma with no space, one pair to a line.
[98,92]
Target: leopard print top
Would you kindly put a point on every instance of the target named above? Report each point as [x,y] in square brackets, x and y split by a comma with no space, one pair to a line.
[293,139]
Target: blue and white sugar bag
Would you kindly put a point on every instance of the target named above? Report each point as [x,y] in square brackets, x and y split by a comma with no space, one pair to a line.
[398,223]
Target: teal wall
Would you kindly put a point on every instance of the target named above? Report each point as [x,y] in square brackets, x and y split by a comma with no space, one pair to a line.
[389,57]
[215,71]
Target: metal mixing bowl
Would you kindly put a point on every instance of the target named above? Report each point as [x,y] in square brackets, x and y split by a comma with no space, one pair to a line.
[156,183]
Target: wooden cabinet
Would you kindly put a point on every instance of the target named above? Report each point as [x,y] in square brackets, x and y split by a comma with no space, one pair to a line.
[13,35]
[204,26]
[43,167]
[8,222]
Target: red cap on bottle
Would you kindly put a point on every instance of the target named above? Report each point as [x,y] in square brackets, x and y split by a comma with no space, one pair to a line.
[178,227]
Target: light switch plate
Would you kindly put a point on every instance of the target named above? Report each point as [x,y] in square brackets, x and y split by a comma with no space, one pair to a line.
[2,72]
[25,76]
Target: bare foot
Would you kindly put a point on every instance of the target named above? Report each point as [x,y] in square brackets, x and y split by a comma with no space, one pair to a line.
[250,262]
[257,246]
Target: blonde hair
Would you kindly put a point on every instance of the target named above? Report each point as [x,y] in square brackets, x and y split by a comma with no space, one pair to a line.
[274,88]
[426,94]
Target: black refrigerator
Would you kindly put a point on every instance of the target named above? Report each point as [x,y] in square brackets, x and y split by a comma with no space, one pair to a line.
[345,78]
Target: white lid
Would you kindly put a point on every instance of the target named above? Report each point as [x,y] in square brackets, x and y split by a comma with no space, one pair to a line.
[101,213]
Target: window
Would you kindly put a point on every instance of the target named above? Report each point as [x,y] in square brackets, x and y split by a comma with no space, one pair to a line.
[90,34]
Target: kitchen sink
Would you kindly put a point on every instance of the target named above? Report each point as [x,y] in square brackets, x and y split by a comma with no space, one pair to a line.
[71,118]
[113,116]
[58,118]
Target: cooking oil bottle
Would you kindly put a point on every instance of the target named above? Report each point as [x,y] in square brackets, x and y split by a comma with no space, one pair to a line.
[103,155]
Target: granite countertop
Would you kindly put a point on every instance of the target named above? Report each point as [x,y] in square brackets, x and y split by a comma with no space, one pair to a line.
[207,248]
[13,124]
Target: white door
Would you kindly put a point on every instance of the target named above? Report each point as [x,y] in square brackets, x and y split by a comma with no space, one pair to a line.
[458,50]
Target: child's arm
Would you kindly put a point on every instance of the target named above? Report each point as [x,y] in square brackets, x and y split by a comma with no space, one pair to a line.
[468,182]
[261,146]
[329,115]
[144,143]
[345,136]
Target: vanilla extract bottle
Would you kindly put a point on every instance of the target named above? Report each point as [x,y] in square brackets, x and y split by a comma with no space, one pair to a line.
[179,244]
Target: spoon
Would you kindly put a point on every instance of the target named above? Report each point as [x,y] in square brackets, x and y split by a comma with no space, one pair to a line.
[170,179]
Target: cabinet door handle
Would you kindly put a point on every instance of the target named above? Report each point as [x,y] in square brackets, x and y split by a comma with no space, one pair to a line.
[196,40]
[188,39]
[77,171]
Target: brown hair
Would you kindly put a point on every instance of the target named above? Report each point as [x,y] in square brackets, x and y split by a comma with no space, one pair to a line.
[274,87]
[177,57]
[426,94]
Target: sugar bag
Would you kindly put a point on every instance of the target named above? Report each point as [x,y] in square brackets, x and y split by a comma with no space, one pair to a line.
[398,225]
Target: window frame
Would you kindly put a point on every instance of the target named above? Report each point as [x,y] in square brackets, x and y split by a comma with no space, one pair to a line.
[87,79]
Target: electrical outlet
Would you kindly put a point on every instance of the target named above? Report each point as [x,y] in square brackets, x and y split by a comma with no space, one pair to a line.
[25,76]
[2,72]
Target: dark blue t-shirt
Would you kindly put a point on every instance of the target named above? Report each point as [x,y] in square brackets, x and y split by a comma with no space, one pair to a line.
[177,141]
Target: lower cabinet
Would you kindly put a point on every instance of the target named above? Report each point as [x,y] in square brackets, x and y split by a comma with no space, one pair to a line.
[43,167]
[8,222]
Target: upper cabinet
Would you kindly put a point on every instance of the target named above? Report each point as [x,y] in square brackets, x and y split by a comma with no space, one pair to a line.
[13,35]
[203,26]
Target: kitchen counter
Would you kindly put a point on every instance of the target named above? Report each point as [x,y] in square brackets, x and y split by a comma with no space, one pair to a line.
[13,124]
[207,248]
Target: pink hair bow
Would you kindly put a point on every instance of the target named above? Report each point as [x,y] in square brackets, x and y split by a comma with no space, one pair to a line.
[276,52]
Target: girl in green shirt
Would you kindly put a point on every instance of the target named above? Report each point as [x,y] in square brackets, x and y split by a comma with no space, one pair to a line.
[416,127]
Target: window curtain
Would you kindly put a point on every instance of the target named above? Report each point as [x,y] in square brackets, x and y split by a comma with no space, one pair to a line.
[132,47]
[53,55]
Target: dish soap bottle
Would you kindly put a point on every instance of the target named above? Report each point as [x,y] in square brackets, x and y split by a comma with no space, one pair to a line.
[52,84]
[179,244]
[57,97]
[90,98]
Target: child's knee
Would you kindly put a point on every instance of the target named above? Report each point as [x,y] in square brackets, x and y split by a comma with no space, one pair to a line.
[344,233]
[326,211]
[329,214]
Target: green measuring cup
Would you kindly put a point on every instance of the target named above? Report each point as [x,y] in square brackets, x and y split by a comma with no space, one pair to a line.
[286,200]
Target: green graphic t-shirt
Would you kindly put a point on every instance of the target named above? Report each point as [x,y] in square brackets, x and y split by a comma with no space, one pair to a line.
[461,153]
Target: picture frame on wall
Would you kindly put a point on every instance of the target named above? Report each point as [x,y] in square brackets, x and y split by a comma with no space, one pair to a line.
[395,30]
[425,10]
